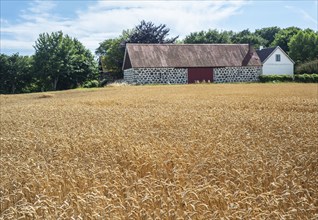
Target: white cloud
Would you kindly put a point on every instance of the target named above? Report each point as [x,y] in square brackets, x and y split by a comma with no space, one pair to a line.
[3,21]
[15,45]
[39,11]
[302,13]
[107,19]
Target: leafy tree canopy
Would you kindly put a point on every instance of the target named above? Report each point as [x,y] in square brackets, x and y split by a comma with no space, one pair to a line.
[303,46]
[246,36]
[111,54]
[111,51]
[210,36]
[268,34]
[283,37]
[62,62]
[15,73]
[218,37]
[148,32]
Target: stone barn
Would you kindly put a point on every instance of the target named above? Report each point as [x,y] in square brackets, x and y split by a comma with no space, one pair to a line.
[188,63]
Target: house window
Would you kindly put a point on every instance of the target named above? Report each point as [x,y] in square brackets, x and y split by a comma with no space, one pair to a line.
[277,57]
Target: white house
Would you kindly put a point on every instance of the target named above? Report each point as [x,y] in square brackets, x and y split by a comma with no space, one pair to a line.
[275,61]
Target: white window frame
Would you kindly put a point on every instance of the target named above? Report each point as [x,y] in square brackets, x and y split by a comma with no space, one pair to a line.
[277,58]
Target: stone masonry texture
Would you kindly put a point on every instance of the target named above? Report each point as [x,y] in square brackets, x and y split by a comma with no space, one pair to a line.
[156,75]
[236,74]
[180,75]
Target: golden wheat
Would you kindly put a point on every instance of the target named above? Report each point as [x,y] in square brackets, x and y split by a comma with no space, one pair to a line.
[233,151]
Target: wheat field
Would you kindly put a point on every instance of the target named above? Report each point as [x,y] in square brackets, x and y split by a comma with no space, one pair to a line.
[213,151]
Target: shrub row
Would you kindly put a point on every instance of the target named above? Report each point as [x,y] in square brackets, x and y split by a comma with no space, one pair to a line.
[91,84]
[306,78]
[278,78]
[310,67]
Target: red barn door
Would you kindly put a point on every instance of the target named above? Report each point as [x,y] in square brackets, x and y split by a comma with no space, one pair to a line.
[200,74]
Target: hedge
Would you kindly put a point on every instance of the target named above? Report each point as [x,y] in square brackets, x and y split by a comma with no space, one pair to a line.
[305,78]
[278,78]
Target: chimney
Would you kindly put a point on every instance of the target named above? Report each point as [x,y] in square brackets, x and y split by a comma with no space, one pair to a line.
[261,47]
[250,48]
[249,54]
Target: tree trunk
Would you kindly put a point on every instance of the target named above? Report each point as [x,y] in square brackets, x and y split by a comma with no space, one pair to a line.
[55,83]
[13,88]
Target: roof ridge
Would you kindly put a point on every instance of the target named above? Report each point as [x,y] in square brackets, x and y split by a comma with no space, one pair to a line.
[171,44]
[267,48]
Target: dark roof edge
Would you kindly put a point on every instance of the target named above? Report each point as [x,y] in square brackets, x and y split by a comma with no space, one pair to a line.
[123,66]
[278,47]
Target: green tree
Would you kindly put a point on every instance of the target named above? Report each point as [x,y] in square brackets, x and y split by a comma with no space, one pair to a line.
[84,67]
[268,34]
[15,73]
[303,46]
[246,36]
[148,32]
[111,51]
[62,62]
[283,37]
[210,36]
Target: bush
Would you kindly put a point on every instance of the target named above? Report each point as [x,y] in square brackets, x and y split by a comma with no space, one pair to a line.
[306,78]
[310,67]
[32,87]
[277,78]
[104,82]
[91,84]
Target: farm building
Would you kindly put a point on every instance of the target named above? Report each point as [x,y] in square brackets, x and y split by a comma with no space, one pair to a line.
[275,61]
[187,63]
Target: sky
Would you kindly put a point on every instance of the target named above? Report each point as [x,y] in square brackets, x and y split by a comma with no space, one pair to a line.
[94,21]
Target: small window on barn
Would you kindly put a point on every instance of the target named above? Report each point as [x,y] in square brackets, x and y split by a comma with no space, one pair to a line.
[277,57]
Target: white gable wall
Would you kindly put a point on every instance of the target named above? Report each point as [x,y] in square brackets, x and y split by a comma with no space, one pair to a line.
[283,67]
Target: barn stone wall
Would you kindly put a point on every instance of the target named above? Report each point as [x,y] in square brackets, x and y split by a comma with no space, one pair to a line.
[156,75]
[236,74]
[129,75]
[180,75]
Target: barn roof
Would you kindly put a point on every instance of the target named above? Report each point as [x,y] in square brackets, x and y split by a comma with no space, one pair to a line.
[189,55]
